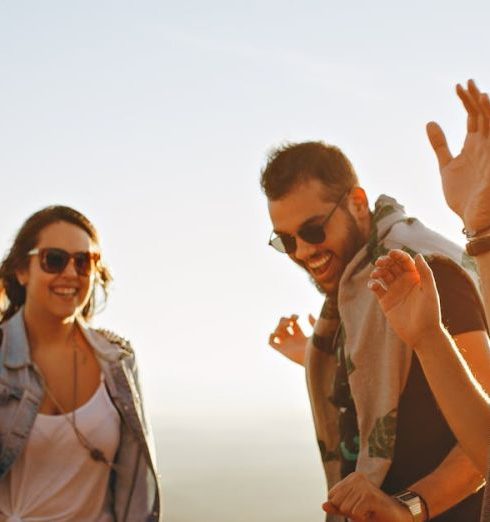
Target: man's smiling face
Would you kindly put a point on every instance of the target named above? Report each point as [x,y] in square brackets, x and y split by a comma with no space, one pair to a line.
[307,204]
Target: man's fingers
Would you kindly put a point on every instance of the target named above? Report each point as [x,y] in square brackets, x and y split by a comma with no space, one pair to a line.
[286,323]
[311,320]
[439,144]
[274,340]
[286,328]
[328,507]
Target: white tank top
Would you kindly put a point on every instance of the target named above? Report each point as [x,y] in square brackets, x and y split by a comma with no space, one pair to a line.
[55,479]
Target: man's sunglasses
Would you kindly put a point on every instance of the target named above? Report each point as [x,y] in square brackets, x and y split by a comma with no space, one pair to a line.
[313,233]
[55,260]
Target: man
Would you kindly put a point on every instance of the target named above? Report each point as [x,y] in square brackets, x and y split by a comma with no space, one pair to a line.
[373,409]
[406,288]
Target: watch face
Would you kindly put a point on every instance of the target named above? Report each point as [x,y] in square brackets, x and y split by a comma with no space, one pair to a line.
[404,497]
[412,501]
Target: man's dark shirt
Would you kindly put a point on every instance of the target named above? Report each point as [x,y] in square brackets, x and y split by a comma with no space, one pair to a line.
[423,437]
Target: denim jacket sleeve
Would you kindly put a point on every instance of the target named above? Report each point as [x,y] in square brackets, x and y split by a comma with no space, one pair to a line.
[135,485]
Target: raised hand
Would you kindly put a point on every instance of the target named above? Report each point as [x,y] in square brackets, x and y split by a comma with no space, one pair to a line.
[288,338]
[407,293]
[466,177]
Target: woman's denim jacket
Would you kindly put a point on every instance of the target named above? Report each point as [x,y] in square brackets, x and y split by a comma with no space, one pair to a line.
[133,484]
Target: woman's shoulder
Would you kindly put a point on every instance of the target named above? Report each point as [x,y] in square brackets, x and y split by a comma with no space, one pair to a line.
[109,345]
[116,339]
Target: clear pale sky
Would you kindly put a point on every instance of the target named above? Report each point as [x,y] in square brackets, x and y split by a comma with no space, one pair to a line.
[154,119]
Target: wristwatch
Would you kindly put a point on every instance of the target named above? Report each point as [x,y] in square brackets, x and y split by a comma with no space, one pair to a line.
[413,502]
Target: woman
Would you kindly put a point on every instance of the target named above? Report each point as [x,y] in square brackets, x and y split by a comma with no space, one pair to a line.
[74,441]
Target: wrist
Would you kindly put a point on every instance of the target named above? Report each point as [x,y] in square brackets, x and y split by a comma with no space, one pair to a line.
[429,338]
[415,505]
[478,245]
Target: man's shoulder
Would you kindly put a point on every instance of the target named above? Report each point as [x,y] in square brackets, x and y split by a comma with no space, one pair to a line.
[412,233]
[461,306]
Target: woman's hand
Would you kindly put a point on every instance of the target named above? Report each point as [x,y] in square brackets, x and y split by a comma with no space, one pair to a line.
[407,293]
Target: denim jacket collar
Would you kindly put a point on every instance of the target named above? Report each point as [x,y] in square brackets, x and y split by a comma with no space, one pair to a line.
[16,344]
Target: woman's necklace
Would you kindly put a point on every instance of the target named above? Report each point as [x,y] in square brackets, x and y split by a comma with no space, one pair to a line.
[94,452]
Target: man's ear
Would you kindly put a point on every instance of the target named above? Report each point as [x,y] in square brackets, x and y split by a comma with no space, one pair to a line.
[357,203]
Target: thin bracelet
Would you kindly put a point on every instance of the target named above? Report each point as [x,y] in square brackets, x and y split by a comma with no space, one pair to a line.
[476,238]
[477,233]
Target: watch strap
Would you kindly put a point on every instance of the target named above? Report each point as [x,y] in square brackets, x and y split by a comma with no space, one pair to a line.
[414,503]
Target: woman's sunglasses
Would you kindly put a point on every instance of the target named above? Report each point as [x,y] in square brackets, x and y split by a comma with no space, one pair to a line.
[55,260]
[313,233]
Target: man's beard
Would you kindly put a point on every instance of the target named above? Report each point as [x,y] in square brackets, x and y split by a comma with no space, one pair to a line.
[354,242]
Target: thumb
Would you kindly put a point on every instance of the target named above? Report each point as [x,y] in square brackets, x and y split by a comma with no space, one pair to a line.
[426,275]
[439,143]
[311,320]
[328,507]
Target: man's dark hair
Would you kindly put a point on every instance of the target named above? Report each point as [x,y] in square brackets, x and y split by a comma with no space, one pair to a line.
[295,163]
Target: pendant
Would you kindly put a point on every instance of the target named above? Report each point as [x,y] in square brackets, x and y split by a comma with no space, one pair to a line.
[97,455]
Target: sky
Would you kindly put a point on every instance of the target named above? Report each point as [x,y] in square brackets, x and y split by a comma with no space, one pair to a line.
[154,119]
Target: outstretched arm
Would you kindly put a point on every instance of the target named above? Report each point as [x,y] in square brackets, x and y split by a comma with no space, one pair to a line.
[408,296]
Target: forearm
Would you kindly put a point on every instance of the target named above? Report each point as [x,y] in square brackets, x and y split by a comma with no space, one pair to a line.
[483,264]
[455,479]
[465,404]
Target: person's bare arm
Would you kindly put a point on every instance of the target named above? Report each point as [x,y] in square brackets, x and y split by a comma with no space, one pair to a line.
[357,498]
[483,264]
[407,293]
[450,483]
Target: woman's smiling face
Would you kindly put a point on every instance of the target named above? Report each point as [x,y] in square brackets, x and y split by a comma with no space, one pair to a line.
[59,295]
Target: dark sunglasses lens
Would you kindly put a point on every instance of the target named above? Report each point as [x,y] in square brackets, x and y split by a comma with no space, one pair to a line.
[83,263]
[284,243]
[313,234]
[54,261]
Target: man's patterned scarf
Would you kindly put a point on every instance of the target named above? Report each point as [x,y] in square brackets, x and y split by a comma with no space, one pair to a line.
[376,361]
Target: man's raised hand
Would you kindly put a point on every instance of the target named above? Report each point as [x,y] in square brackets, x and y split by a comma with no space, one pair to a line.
[288,338]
